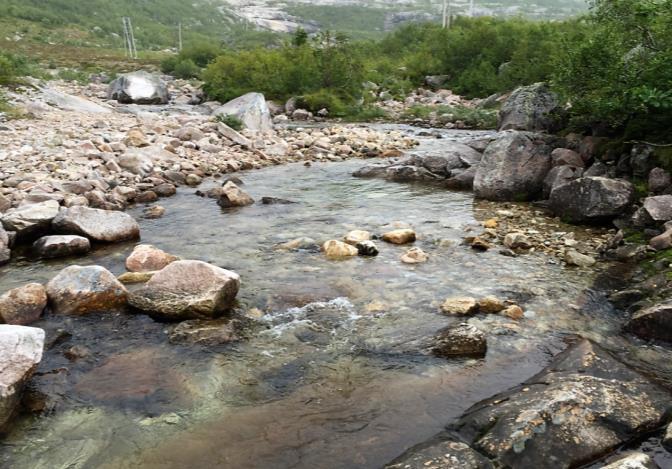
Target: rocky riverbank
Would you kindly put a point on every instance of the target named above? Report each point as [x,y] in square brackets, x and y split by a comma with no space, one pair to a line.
[69,173]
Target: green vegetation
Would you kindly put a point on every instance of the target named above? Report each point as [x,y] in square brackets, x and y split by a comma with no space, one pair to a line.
[231,121]
[97,24]
[472,118]
[326,70]
[618,72]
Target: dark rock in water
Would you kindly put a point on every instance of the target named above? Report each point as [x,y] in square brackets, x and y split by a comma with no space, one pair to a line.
[233,196]
[652,323]
[218,332]
[397,173]
[367,249]
[138,88]
[462,179]
[592,199]
[441,453]
[50,247]
[534,107]
[513,168]
[275,201]
[462,340]
[98,225]
[582,406]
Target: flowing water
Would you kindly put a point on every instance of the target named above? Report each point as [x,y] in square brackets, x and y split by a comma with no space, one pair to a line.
[335,373]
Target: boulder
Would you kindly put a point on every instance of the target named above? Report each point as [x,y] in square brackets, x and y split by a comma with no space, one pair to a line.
[659,208]
[513,168]
[357,236]
[401,236]
[662,241]
[334,249]
[659,180]
[188,290]
[414,256]
[251,109]
[5,251]
[582,406]
[558,176]
[460,306]
[51,247]
[575,258]
[441,453]
[24,305]
[104,226]
[461,340]
[21,351]
[491,305]
[147,258]
[534,107]
[462,179]
[233,196]
[397,173]
[517,241]
[652,323]
[566,157]
[31,220]
[138,88]
[633,461]
[453,156]
[592,199]
[83,290]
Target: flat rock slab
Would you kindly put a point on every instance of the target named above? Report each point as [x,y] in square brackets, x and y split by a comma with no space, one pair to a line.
[582,406]
[32,219]
[98,225]
[441,454]
[20,353]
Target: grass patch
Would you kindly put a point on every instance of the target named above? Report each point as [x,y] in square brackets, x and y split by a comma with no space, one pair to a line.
[366,114]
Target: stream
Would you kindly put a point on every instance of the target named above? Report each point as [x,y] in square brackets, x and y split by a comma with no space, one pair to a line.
[334,374]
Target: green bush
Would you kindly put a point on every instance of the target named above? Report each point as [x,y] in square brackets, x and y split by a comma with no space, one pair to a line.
[323,99]
[7,71]
[186,69]
[327,69]
[618,73]
[231,121]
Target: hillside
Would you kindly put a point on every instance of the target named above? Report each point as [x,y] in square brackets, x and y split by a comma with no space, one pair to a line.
[97,23]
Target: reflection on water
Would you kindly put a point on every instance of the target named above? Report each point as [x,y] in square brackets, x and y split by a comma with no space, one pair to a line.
[334,374]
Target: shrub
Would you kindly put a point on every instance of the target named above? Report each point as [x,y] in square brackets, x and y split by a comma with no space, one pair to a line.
[186,69]
[323,99]
[231,121]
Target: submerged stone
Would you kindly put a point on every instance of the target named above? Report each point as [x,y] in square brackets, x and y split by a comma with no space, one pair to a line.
[462,340]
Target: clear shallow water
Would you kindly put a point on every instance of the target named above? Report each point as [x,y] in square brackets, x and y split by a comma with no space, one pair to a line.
[323,381]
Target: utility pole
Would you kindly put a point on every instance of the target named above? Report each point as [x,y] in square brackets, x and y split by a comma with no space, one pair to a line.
[447,13]
[179,37]
[129,38]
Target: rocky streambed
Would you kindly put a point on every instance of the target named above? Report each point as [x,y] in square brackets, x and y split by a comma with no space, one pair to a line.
[334,359]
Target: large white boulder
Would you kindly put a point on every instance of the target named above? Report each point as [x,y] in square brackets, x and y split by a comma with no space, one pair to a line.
[139,88]
[20,352]
[251,109]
